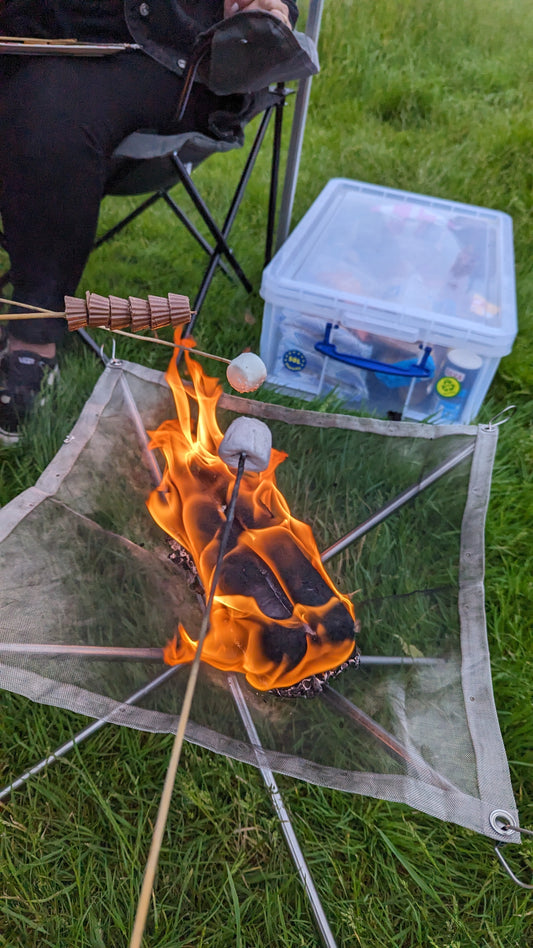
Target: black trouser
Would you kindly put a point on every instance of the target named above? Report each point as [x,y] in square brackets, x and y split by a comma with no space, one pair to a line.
[60,120]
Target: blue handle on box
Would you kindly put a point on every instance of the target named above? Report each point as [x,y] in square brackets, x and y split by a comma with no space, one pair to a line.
[421,370]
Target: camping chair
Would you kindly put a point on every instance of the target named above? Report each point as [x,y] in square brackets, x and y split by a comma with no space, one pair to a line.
[152,165]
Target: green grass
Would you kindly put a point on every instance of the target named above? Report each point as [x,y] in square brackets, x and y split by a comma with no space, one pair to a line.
[431,97]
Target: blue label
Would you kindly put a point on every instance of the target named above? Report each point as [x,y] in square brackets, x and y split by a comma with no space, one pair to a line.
[294,360]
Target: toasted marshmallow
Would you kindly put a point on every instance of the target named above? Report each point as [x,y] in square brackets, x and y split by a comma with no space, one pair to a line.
[246,372]
[247,436]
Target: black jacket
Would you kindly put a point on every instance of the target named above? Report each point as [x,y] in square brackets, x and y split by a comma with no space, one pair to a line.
[166,29]
[241,56]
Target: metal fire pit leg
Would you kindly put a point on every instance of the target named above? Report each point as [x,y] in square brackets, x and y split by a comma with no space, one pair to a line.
[397,502]
[91,729]
[283,816]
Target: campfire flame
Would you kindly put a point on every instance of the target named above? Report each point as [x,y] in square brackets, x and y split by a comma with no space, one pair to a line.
[276,615]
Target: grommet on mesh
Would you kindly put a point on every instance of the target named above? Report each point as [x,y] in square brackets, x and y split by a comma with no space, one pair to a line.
[502,822]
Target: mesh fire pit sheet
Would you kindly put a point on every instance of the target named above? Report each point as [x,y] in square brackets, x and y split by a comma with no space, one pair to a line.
[83,563]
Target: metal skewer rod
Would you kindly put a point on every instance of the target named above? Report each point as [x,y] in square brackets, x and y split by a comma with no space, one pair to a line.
[96,652]
[91,729]
[282,814]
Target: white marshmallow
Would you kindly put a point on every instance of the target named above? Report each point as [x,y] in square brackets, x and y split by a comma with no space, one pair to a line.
[246,372]
[248,435]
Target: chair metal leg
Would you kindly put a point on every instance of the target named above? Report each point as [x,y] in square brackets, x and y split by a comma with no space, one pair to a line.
[127,220]
[5,277]
[230,217]
[188,224]
[274,171]
[203,210]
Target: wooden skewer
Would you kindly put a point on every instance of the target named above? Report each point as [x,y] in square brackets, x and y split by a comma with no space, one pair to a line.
[112,312]
[170,778]
[35,39]
[40,313]
[164,342]
[37,311]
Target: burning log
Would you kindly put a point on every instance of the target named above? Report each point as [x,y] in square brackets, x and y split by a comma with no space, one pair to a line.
[276,615]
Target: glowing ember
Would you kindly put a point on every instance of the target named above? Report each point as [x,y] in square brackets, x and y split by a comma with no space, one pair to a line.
[276,615]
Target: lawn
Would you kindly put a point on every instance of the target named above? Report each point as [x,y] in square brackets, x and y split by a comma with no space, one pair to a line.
[430,97]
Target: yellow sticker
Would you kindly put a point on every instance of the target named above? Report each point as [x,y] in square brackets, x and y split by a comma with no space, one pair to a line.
[447,387]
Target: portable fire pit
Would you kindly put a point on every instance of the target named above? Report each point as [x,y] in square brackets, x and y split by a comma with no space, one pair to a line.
[378,494]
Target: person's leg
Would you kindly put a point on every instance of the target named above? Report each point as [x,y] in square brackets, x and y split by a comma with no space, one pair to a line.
[60,120]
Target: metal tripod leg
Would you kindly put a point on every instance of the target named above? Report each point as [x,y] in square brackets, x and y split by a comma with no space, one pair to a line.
[282,814]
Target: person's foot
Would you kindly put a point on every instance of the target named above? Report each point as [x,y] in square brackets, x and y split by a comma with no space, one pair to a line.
[26,374]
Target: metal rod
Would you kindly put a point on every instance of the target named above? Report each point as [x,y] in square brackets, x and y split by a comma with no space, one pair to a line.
[91,344]
[274,172]
[113,231]
[410,757]
[282,814]
[203,210]
[109,652]
[221,241]
[397,502]
[132,654]
[312,30]
[193,231]
[135,415]
[91,729]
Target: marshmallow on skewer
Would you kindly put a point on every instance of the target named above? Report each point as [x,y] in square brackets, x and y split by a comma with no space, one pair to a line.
[247,436]
[246,372]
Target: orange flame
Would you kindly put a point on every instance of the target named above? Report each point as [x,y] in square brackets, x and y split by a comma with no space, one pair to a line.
[276,614]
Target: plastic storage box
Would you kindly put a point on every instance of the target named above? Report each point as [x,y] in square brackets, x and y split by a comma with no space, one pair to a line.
[402,304]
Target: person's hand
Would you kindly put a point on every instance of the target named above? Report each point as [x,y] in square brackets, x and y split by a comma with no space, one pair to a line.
[275,7]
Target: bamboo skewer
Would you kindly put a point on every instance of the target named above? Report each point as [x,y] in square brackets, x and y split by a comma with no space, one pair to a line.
[36,312]
[39,46]
[165,342]
[170,778]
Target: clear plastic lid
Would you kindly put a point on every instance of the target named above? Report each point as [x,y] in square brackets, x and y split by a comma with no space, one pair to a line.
[407,264]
